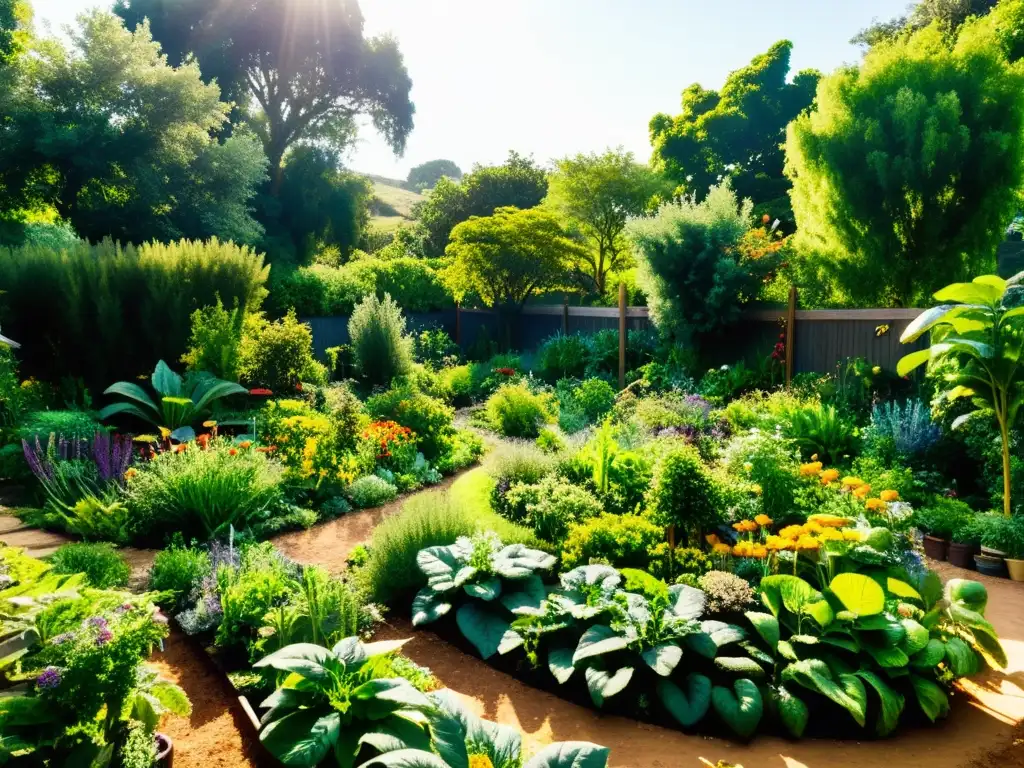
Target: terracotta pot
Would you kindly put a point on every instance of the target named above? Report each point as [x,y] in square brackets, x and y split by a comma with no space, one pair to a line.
[962,555]
[935,547]
[1016,568]
[990,566]
[164,750]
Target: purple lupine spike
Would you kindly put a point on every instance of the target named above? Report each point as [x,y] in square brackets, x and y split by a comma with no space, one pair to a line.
[33,460]
[123,454]
[101,455]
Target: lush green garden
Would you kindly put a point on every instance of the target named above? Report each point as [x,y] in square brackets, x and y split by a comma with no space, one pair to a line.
[717,550]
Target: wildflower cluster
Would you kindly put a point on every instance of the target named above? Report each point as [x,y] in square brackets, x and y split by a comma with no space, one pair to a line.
[393,444]
[851,484]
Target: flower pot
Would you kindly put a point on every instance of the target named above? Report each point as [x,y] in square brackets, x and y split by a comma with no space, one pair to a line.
[935,547]
[164,750]
[992,552]
[1016,568]
[988,565]
[962,555]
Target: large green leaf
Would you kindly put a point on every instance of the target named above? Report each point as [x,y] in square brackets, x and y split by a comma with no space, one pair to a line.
[597,641]
[517,561]
[790,709]
[428,607]
[528,597]
[982,290]
[970,594]
[944,313]
[406,758]
[171,698]
[858,593]
[131,409]
[214,391]
[930,697]
[789,591]
[701,642]
[767,627]
[888,658]
[136,393]
[740,665]
[961,658]
[663,658]
[821,612]
[381,696]
[165,381]
[303,737]
[929,656]
[901,589]
[603,685]
[815,675]
[687,707]
[686,602]
[570,754]
[740,708]
[394,733]
[915,638]
[891,703]
[485,590]
[305,659]
[906,364]
[722,633]
[438,564]
[986,641]
[560,664]
[482,628]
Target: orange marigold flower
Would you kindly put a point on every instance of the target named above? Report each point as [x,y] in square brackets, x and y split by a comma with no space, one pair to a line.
[763,520]
[829,476]
[712,539]
[862,491]
[759,552]
[245,444]
[743,549]
[203,441]
[852,482]
[890,496]
[791,531]
[721,549]
[181,447]
[806,542]
[130,473]
[875,505]
[811,469]
[778,544]
[233,452]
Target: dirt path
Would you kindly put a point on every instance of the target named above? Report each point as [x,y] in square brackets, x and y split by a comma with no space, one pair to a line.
[212,736]
[979,732]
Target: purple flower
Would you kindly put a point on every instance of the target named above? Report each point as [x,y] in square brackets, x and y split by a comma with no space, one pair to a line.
[49,678]
[104,636]
[97,621]
[62,638]
[159,618]
[124,608]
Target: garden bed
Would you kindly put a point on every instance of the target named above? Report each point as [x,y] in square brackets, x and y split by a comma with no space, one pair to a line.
[980,730]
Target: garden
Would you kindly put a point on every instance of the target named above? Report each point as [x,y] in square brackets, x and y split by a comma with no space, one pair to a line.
[224,542]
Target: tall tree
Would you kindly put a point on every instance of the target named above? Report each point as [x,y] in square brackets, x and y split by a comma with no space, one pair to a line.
[304,70]
[519,183]
[598,193]
[426,175]
[119,142]
[507,257]
[906,175]
[736,133]
[949,14]
[15,16]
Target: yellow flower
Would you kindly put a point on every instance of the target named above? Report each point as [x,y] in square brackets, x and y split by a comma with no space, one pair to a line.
[876,370]
[830,534]
[721,549]
[852,482]
[747,466]
[763,520]
[778,544]
[743,549]
[745,526]
[875,505]
[811,469]
[759,552]
[829,476]
[851,534]
[890,495]
[791,532]
[806,542]
[861,491]
[829,521]
[812,526]
[480,761]
[130,473]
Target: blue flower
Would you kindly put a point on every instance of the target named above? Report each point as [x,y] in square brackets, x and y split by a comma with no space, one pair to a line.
[49,678]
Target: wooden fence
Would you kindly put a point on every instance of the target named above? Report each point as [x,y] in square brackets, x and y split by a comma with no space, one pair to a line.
[817,340]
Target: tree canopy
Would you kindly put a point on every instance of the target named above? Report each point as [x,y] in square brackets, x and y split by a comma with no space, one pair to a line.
[737,132]
[14,18]
[518,182]
[507,257]
[119,143]
[949,14]
[303,72]
[426,175]
[598,194]
[906,175]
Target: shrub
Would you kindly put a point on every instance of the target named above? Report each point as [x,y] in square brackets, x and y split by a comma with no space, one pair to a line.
[307,444]
[549,442]
[457,384]
[768,461]
[260,583]
[278,355]
[942,517]
[823,431]
[72,425]
[550,506]
[669,564]
[515,411]
[201,493]
[391,574]
[105,312]
[562,357]
[465,448]
[594,397]
[684,493]
[435,348]
[216,341]
[623,541]
[900,431]
[371,491]
[103,567]
[629,479]
[516,462]
[726,592]
[381,347]
[180,570]
[428,417]
[347,413]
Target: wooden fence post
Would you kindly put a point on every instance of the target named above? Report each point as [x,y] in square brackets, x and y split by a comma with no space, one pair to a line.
[790,335]
[565,314]
[458,324]
[622,335]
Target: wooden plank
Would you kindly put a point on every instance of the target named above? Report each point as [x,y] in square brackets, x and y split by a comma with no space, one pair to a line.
[790,329]
[771,315]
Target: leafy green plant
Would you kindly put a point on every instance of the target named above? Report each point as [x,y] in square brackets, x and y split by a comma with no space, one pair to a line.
[684,493]
[179,570]
[562,357]
[980,331]
[98,518]
[216,341]
[550,506]
[381,347]
[941,516]
[248,592]
[278,355]
[322,610]
[515,411]
[624,541]
[371,491]
[103,567]
[594,397]
[74,425]
[180,403]
[484,569]
[427,416]
[823,431]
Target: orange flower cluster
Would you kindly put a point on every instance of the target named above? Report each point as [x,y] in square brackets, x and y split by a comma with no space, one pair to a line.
[388,436]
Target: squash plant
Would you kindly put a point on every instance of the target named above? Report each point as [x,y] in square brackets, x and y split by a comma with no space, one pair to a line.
[499,580]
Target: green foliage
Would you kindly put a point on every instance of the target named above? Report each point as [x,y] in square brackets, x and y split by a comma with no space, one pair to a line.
[201,493]
[106,313]
[182,402]
[381,347]
[684,493]
[99,519]
[624,541]
[773,466]
[278,355]
[889,216]
[428,417]
[216,341]
[737,132]
[81,425]
[519,182]
[157,172]
[822,430]
[515,411]
[427,520]
[562,357]
[509,256]
[941,517]
[980,331]
[949,14]
[248,592]
[371,491]
[594,398]
[435,348]
[426,175]
[690,266]
[179,570]
[139,750]
[598,194]
[550,506]
[103,567]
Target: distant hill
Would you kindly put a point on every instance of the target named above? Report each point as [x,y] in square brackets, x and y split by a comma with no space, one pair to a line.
[392,204]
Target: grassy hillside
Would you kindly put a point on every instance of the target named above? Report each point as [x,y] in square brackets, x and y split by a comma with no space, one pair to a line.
[392,205]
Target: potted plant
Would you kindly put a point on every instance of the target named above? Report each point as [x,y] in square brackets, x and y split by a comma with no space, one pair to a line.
[1012,541]
[993,531]
[937,521]
[963,543]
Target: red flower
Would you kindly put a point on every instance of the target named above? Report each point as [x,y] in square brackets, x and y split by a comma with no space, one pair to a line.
[505,371]
[181,447]
[260,392]
[232,452]
[298,387]
[203,441]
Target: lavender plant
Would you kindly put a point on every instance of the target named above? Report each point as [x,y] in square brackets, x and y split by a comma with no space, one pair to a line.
[906,428]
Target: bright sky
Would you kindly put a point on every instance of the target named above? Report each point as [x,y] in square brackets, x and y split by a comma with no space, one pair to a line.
[557,77]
